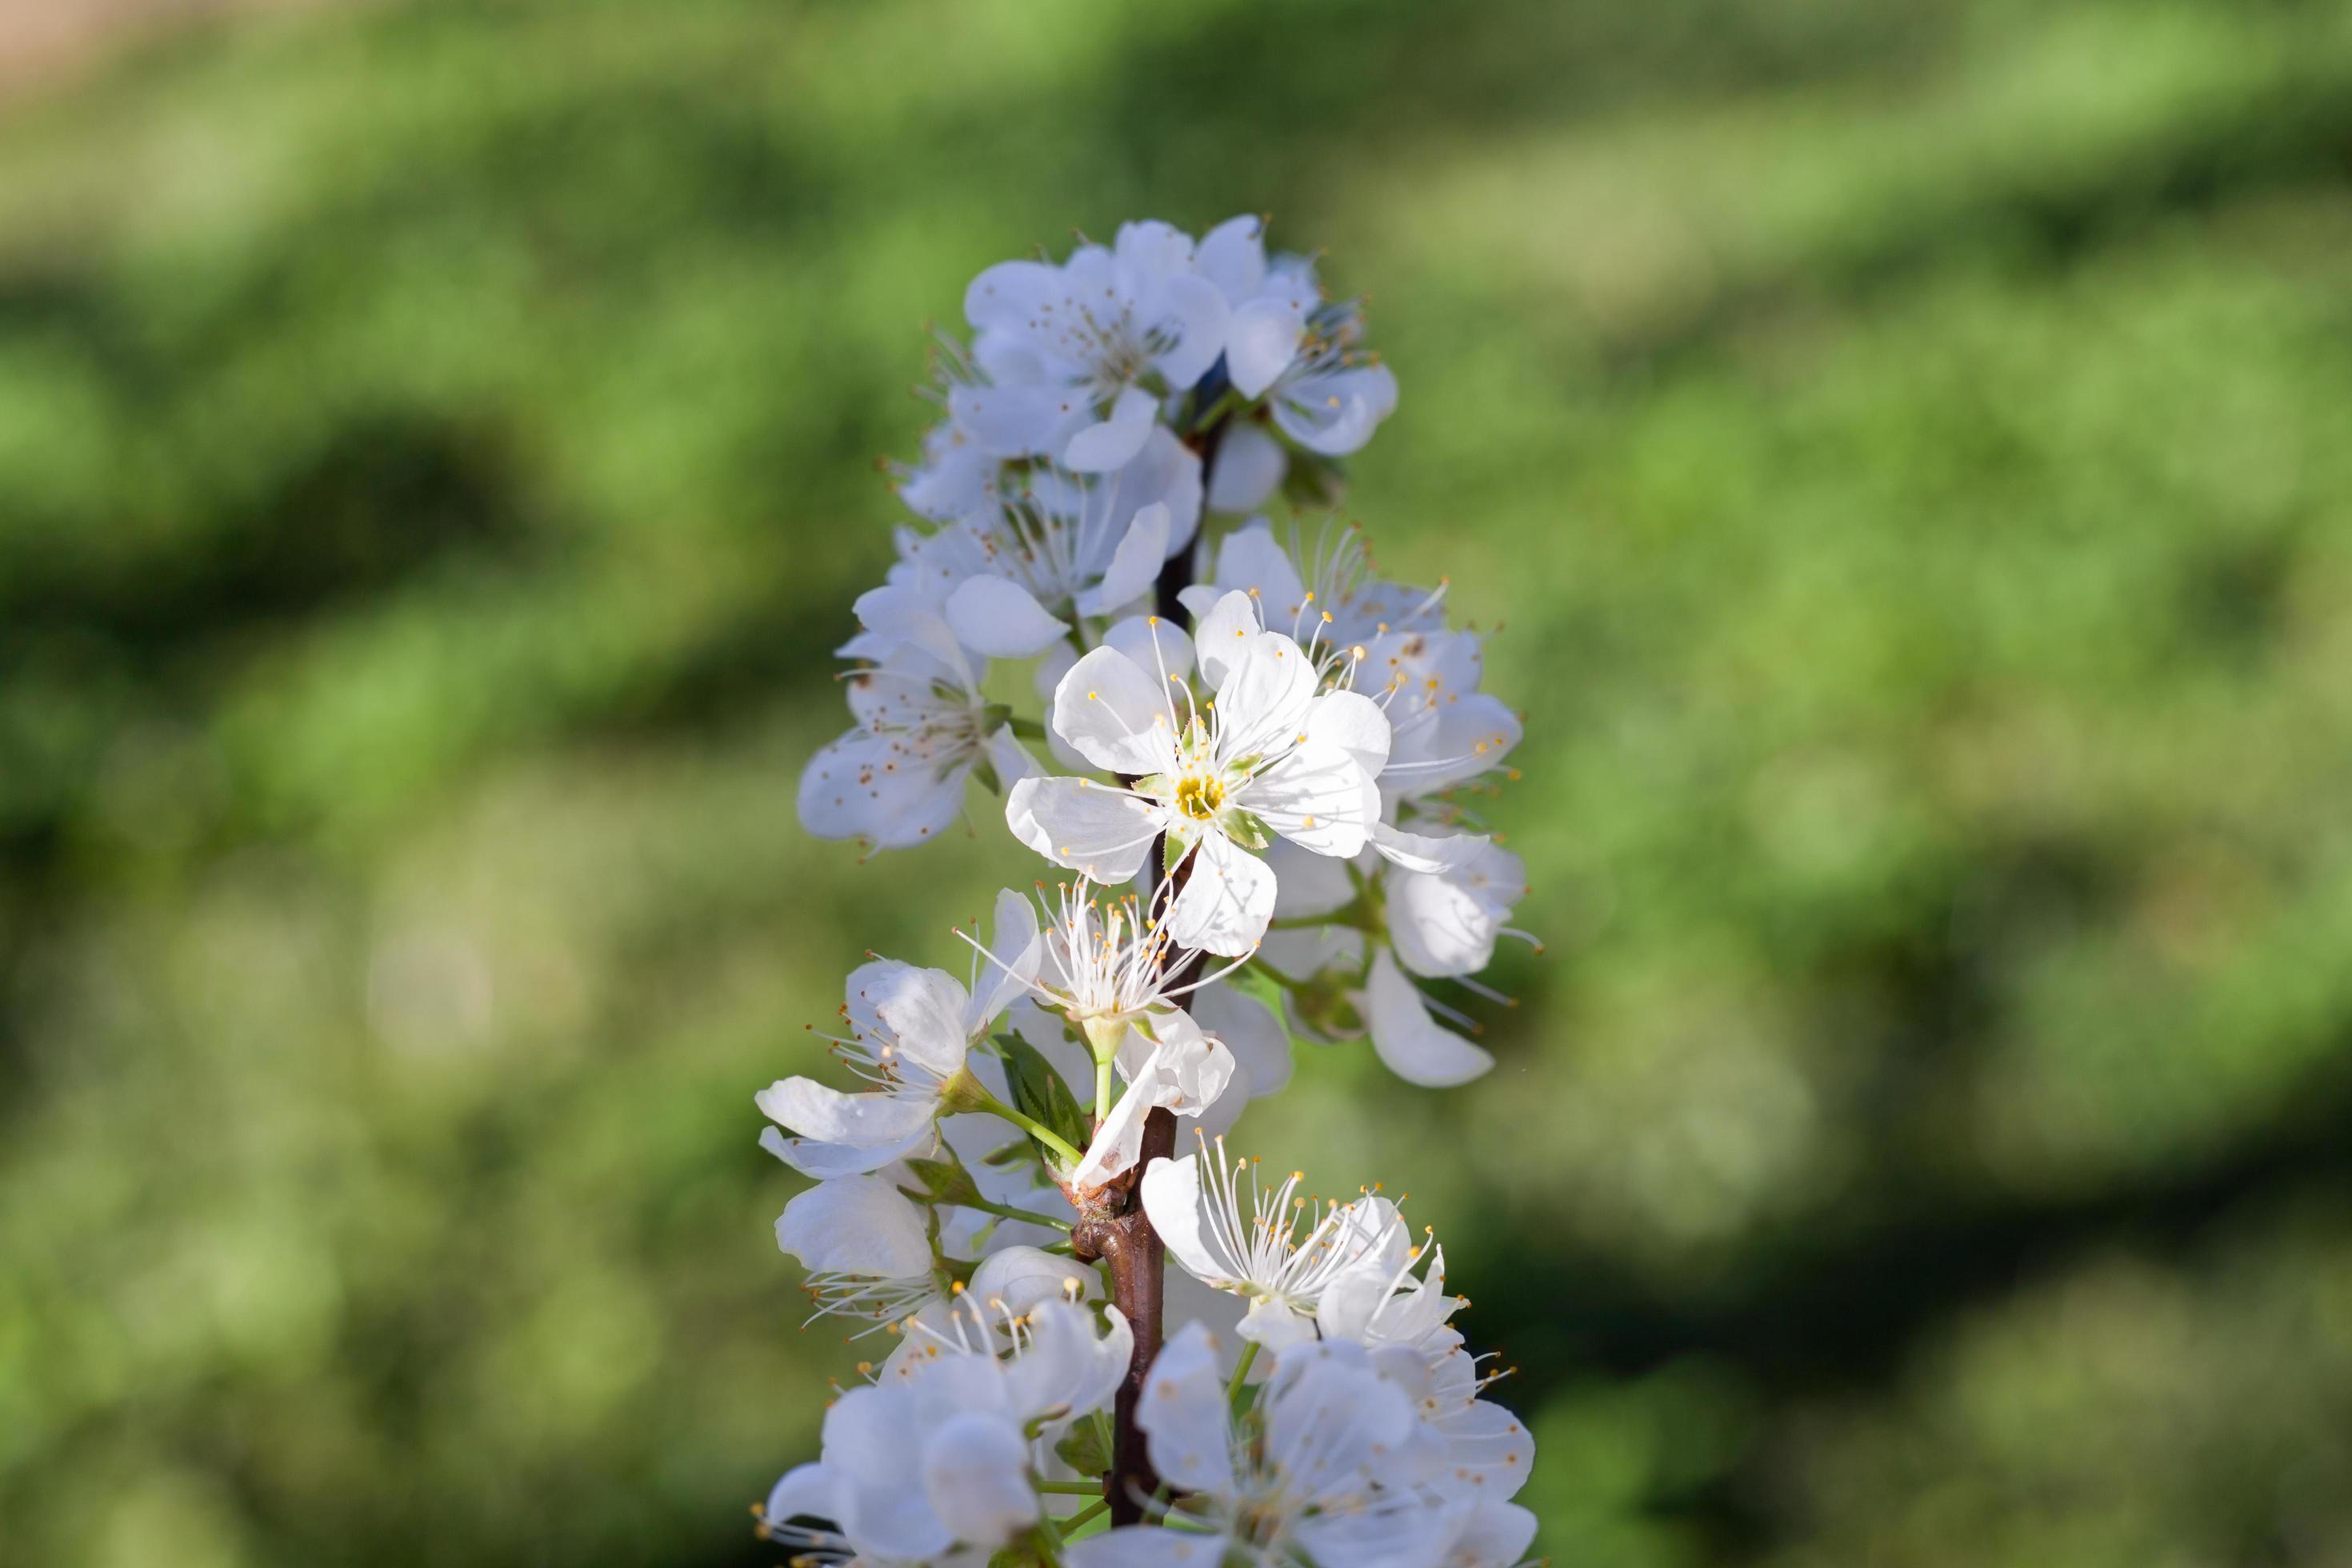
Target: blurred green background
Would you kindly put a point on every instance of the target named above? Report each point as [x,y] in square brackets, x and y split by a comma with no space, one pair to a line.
[1910,446]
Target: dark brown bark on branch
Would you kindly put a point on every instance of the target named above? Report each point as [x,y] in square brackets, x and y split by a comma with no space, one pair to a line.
[1112,1226]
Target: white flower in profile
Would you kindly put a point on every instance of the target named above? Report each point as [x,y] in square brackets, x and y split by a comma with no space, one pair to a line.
[1169,1063]
[1328,1469]
[1283,1255]
[897,779]
[1403,1319]
[1302,353]
[910,1031]
[1107,960]
[1072,359]
[938,1457]
[867,1247]
[1271,754]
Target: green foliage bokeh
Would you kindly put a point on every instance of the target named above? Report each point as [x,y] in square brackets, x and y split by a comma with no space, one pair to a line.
[1906,447]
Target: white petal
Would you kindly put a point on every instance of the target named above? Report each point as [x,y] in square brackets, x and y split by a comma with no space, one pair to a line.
[1250,1031]
[1251,559]
[811,1108]
[1081,824]
[1134,567]
[1250,465]
[1446,925]
[1276,1327]
[1317,798]
[869,1434]
[975,1476]
[1009,757]
[1493,1534]
[1171,1198]
[1066,1370]
[1218,636]
[859,1225]
[1415,1047]
[1262,339]
[1015,948]
[1194,311]
[1098,448]
[1226,901]
[1001,619]
[1426,854]
[923,1008]
[1183,1414]
[1336,413]
[1116,715]
[1012,421]
[1022,1278]
[1157,646]
[1232,256]
[1011,293]
[804,1491]
[1263,697]
[1354,723]
[830,1161]
[1146,1546]
[1119,1139]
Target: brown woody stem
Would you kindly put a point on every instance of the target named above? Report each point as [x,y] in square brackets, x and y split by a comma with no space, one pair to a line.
[1112,1226]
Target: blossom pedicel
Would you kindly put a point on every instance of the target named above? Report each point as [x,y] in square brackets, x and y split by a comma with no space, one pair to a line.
[1274,744]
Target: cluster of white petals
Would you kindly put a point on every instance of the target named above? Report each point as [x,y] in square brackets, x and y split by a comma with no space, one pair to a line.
[1256,763]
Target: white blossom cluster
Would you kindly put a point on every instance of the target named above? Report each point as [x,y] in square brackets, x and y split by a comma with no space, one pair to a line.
[1250,758]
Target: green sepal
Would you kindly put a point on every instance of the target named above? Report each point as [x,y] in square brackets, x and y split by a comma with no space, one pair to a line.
[945,1181]
[1083,1449]
[1247,831]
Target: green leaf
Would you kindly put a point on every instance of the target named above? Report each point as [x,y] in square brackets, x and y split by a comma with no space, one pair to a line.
[1039,1093]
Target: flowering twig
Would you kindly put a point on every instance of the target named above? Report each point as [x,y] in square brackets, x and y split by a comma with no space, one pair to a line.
[1266,736]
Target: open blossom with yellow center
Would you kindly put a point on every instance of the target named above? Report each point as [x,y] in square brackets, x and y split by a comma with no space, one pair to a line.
[1271,753]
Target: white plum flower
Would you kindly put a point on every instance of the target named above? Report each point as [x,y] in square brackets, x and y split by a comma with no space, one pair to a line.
[1327,1470]
[1073,358]
[1283,1255]
[911,1032]
[897,779]
[866,1246]
[1108,961]
[939,1456]
[1445,922]
[1299,353]
[1016,575]
[1270,754]
[1402,1317]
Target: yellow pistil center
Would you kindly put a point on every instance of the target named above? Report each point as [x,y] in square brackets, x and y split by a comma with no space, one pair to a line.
[1200,796]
